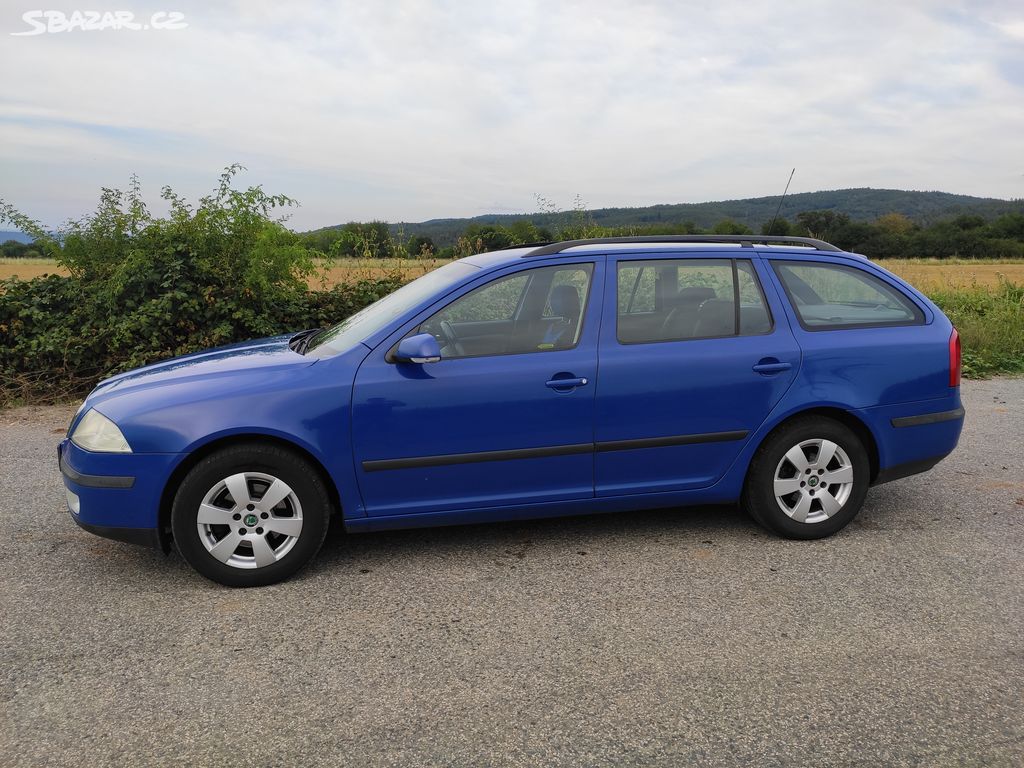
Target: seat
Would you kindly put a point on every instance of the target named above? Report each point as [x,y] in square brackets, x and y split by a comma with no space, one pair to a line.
[754,320]
[715,318]
[680,321]
[565,306]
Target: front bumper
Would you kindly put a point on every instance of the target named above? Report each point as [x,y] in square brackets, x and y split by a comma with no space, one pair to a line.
[118,495]
[93,481]
[147,537]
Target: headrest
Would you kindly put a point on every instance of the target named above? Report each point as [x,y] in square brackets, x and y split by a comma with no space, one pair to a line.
[695,294]
[565,301]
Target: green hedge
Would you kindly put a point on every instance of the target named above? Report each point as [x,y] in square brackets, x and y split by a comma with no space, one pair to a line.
[57,340]
[991,326]
[142,289]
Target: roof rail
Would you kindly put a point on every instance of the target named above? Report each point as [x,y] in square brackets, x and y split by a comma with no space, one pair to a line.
[747,241]
[517,246]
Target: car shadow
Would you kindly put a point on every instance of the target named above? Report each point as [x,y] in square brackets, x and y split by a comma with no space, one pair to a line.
[699,522]
[342,551]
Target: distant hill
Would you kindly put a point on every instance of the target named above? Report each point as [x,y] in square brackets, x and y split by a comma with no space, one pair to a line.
[21,237]
[863,204]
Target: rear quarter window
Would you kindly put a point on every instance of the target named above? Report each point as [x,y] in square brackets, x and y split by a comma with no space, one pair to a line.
[832,296]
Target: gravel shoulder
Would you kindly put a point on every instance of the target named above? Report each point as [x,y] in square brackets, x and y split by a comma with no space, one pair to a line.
[675,637]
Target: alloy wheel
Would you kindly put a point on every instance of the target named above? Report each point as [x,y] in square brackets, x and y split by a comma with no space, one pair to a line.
[813,480]
[249,520]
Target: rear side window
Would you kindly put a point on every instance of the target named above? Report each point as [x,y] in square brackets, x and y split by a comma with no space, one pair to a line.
[636,288]
[679,299]
[827,296]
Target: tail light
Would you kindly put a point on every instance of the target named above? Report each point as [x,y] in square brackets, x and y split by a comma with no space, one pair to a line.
[954,359]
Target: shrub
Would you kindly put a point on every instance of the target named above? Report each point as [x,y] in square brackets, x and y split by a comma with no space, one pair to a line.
[991,326]
[142,289]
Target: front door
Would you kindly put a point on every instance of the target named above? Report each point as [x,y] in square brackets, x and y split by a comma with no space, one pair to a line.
[507,415]
[691,364]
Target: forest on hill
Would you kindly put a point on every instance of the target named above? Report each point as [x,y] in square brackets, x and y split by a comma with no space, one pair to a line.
[877,223]
[860,204]
[880,223]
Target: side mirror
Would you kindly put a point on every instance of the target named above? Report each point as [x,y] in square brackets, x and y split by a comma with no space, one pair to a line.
[421,348]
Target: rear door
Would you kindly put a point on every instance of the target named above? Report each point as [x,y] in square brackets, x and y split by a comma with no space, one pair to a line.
[694,354]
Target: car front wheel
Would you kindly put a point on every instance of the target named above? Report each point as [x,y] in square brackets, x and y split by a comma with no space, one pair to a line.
[250,515]
[808,479]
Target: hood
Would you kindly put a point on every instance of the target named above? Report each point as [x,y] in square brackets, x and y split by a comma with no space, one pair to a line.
[260,354]
[260,387]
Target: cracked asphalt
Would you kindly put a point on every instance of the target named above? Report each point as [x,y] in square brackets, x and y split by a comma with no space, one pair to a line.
[677,637]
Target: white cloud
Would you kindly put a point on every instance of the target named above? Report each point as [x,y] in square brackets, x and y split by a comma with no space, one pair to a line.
[1012,28]
[412,109]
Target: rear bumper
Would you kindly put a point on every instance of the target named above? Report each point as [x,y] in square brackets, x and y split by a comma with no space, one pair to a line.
[914,437]
[899,471]
[934,417]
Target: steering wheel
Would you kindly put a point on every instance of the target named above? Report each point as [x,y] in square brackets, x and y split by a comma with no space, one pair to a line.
[450,339]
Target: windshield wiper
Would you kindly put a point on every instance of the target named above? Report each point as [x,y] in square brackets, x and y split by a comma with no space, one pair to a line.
[300,341]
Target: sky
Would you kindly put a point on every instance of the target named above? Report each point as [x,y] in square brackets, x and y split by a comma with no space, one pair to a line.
[407,110]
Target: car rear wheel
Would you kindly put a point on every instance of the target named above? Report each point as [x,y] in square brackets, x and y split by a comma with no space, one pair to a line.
[808,479]
[250,515]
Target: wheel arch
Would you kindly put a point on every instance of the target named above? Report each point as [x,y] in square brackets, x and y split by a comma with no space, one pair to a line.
[844,417]
[201,452]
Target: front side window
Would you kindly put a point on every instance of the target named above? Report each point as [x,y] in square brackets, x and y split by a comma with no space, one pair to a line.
[829,296]
[373,318]
[537,310]
[679,299]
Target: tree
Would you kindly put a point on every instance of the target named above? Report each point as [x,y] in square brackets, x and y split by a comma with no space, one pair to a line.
[370,239]
[525,231]
[14,249]
[1010,226]
[969,221]
[820,223]
[781,227]
[731,227]
[895,224]
[489,237]
[421,245]
[853,236]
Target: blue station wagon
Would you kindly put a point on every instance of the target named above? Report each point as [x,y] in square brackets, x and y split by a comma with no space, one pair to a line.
[586,376]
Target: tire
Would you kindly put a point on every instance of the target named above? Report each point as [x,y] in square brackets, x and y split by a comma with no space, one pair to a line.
[261,539]
[790,459]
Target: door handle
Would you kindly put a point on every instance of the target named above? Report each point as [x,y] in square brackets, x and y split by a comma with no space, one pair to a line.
[566,383]
[772,366]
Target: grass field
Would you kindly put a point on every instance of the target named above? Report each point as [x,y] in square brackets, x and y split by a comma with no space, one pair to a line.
[925,274]
[932,274]
[347,270]
[26,269]
[340,271]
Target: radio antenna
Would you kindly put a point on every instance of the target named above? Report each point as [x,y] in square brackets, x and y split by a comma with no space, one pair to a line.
[771,227]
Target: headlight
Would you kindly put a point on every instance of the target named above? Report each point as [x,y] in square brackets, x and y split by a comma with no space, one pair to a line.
[75,417]
[95,432]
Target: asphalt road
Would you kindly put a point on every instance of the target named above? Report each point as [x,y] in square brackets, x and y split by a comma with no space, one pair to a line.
[673,638]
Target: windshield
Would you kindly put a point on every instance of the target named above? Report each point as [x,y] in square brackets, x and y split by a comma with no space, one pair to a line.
[368,321]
